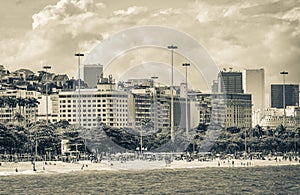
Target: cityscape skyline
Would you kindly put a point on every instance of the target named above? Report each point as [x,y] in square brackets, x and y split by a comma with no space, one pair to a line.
[45,33]
[150,97]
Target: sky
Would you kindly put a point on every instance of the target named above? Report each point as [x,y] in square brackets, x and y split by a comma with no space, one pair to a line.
[239,34]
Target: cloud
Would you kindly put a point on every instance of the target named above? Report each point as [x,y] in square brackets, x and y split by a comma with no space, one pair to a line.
[243,34]
[167,12]
[134,10]
[63,9]
[270,7]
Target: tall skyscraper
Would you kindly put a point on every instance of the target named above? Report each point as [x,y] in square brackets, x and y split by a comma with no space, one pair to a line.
[91,73]
[254,83]
[291,95]
[230,82]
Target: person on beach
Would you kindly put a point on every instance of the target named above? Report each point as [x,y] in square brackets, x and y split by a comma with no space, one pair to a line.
[34,169]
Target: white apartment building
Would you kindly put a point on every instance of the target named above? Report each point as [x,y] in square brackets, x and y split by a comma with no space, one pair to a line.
[53,108]
[275,116]
[90,107]
[273,121]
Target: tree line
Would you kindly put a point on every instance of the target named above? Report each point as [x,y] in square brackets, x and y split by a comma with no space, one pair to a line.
[41,138]
[38,138]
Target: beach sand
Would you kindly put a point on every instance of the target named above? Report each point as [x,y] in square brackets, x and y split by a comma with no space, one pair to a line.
[20,168]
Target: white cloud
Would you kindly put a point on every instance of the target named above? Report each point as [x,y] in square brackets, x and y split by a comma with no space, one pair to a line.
[233,32]
[134,10]
[292,15]
[167,12]
[63,9]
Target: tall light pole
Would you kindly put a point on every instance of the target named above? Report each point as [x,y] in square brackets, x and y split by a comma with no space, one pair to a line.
[78,55]
[283,94]
[46,69]
[186,100]
[155,104]
[172,48]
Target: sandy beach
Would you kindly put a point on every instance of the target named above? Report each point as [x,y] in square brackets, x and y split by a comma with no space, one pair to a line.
[21,168]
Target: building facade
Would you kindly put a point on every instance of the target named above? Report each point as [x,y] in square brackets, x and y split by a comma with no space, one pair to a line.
[90,107]
[291,95]
[225,110]
[151,104]
[254,83]
[230,82]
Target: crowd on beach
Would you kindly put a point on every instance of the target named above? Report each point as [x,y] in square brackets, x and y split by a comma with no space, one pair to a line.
[175,160]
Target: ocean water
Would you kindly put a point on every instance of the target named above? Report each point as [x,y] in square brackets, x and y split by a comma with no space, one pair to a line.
[248,180]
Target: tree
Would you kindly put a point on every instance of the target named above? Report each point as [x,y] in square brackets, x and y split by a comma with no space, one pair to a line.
[45,137]
[2,103]
[11,102]
[19,117]
[32,104]
[21,102]
[13,138]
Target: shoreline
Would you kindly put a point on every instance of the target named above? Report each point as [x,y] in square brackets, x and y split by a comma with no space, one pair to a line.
[59,167]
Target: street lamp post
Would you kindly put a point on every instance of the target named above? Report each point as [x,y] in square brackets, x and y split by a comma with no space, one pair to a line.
[186,100]
[283,94]
[172,48]
[78,55]
[46,68]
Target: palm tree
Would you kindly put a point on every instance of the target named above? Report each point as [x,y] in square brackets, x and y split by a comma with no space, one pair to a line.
[12,103]
[32,103]
[21,102]
[19,117]
[2,103]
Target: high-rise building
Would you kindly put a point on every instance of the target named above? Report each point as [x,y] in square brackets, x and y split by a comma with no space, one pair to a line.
[230,82]
[232,110]
[91,73]
[291,95]
[254,83]
[94,106]
[226,110]
[214,86]
[149,104]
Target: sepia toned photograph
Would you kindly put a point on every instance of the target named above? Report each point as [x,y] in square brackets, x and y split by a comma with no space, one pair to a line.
[149,97]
